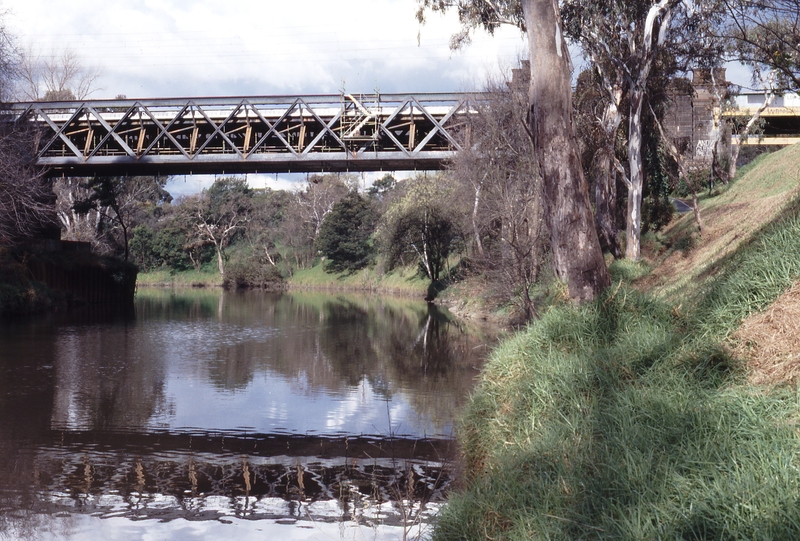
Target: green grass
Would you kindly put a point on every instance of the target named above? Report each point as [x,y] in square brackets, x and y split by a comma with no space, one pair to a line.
[759,194]
[405,281]
[628,419]
[753,277]
[189,278]
[609,422]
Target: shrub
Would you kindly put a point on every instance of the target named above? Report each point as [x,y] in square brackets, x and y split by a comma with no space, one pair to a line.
[252,273]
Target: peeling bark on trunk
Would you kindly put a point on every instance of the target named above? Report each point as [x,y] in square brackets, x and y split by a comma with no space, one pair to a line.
[605,185]
[717,171]
[633,231]
[577,256]
[605,196]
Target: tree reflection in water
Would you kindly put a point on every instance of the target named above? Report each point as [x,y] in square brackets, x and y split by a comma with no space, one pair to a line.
[254,405]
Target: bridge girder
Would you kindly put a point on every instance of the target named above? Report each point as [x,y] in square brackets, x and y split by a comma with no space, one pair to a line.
[317,133]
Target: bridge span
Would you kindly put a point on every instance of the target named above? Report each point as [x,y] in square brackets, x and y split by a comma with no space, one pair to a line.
[268,134]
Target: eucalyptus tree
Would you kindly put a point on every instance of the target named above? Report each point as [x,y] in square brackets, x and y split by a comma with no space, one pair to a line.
[577,256]
[422,225]
[599,97]
[764,35]
[744,129]
[624,39]
[116,200]
[219,213]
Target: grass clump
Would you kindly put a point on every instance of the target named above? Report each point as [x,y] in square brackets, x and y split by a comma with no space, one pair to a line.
[754,276]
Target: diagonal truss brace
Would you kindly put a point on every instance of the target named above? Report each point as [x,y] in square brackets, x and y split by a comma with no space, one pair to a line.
[262,130]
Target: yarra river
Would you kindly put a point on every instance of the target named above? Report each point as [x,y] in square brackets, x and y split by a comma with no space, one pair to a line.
[205,414]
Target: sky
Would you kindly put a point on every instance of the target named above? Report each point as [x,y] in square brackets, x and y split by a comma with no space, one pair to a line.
[187,48]
[166,48]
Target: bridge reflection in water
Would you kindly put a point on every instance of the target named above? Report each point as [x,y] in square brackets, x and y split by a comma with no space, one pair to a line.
[266,476]
[206,407]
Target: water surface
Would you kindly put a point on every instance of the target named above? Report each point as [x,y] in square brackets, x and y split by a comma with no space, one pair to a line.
[206,415]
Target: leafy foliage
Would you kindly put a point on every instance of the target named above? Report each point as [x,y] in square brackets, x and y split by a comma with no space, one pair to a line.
[344,237]
[766,33]
[381,187]
[219,214]
[422,225]
[117,199]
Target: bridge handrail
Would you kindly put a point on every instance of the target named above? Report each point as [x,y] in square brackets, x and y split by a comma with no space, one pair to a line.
[312,99]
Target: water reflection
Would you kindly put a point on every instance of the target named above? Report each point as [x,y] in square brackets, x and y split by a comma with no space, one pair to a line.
[205,405]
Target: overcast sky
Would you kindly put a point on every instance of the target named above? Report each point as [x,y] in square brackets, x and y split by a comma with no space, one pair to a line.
[165,48]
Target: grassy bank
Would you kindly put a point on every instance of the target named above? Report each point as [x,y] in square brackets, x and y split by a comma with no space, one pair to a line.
[401,281]
[189,278]
[630,418]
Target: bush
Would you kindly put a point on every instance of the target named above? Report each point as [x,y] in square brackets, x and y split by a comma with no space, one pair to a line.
[252,273]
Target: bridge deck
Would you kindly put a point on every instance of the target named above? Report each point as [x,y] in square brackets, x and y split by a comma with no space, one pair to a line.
[249,134]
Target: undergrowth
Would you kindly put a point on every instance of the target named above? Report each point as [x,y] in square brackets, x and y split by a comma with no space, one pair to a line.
[628,419]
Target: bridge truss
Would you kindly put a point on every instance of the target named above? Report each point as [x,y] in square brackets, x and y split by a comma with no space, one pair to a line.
[318,133]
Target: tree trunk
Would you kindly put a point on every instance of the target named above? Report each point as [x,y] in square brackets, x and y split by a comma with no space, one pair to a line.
[745,132]
[220,261]
[577,256]
[717,171]
[605,198]
[124,236]
[475,229]
[633,231]
[605,185]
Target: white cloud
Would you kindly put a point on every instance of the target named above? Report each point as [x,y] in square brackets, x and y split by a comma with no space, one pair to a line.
[160,48]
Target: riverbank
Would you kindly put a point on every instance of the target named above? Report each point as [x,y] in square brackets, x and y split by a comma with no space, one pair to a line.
[638,416]
[53,276]
[400,282]
[463,299]
[169,278]
[404,281]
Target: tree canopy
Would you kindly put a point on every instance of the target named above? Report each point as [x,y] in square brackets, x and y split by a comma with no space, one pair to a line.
[344,237]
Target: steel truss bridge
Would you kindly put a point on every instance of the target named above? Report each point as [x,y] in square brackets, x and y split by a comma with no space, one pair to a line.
[270,134]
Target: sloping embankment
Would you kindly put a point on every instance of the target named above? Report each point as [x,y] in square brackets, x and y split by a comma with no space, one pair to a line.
[631,418]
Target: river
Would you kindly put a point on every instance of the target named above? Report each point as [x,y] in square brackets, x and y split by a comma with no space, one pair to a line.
[205,414]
